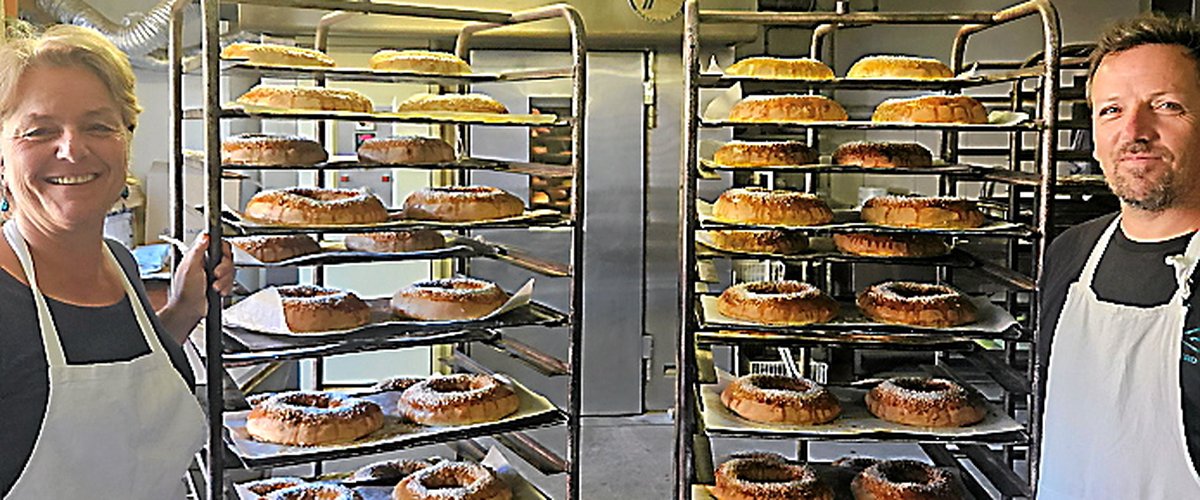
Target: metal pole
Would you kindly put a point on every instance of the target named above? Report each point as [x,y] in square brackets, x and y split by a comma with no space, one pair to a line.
[1048,142]
[685,355]
[175,162]
[212,213]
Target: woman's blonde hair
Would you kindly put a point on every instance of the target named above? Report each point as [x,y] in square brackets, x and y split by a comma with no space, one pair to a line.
[66,45]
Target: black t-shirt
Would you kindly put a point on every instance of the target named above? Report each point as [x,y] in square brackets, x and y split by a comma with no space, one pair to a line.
[87,334]
[1131,273]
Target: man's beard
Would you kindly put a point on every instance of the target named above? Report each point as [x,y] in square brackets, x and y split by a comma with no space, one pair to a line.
[1159,196]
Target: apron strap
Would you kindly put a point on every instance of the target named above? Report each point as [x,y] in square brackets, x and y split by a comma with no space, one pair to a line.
[1185,266]
[50,338]
[135,302]
[54,352]
[1093,261]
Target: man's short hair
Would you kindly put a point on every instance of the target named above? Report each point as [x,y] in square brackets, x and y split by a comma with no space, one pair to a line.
[1148,29]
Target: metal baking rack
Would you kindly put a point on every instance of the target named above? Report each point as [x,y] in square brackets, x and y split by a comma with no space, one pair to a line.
[222,348]
[1005,464]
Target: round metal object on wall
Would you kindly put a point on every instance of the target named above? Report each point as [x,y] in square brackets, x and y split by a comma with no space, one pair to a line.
[657,11]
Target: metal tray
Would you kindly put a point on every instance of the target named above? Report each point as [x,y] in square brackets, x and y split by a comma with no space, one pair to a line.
[855,422]
[531,218]
[245,347]
[396,434]
[521,488]
[233,110]
[993,322]
[822,249]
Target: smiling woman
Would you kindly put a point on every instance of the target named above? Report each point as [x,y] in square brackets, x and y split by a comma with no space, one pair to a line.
[79,328]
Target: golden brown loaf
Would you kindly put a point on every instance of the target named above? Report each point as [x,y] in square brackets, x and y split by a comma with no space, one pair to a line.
[419,61]
[774,67]
[784,302]
[396,241]
[312,418]
[774,207]
[764,154]
[311,98]
[274,248]
[448,299]
[462,204]
[891,245]
[916,304]
[301,206]
[925,402]
[787,109]
[405,150]
[775,242]
[283,55]
[453,481]
[932,109]
[780,400]
[923,212]
[470,103]
[768,476]
[271,150]
[899,67]
[460,399]
[883,154]
[904,480]
[310,308]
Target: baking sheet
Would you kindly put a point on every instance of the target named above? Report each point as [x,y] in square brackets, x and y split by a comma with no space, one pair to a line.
[236,219]
[262,313]
[521,488]
[822,248]
[463,117]
[395,431]
[938,167]
[845,221]
[854,420]
[992,319]
[716,114]
[341,72]
[335,252]
[905,341]
[838,479]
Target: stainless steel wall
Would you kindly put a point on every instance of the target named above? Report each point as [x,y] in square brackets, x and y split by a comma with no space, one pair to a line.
[612,246]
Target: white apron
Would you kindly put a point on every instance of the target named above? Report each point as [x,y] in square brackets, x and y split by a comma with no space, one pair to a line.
[120,430]
[1113,425]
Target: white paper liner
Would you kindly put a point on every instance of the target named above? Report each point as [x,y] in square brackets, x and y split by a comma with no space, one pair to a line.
[855,418]
[521,488]
[262,312]
[396,429]
[992,318]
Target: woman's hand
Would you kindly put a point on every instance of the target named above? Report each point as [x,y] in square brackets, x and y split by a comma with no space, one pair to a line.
[188,301]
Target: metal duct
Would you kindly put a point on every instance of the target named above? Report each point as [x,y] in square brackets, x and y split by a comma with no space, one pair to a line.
[137,33]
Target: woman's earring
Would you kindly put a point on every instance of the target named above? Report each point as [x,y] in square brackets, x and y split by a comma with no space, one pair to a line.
[124,194]
[4,204]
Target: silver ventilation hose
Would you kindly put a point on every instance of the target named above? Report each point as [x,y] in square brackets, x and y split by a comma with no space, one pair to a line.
[137,33]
